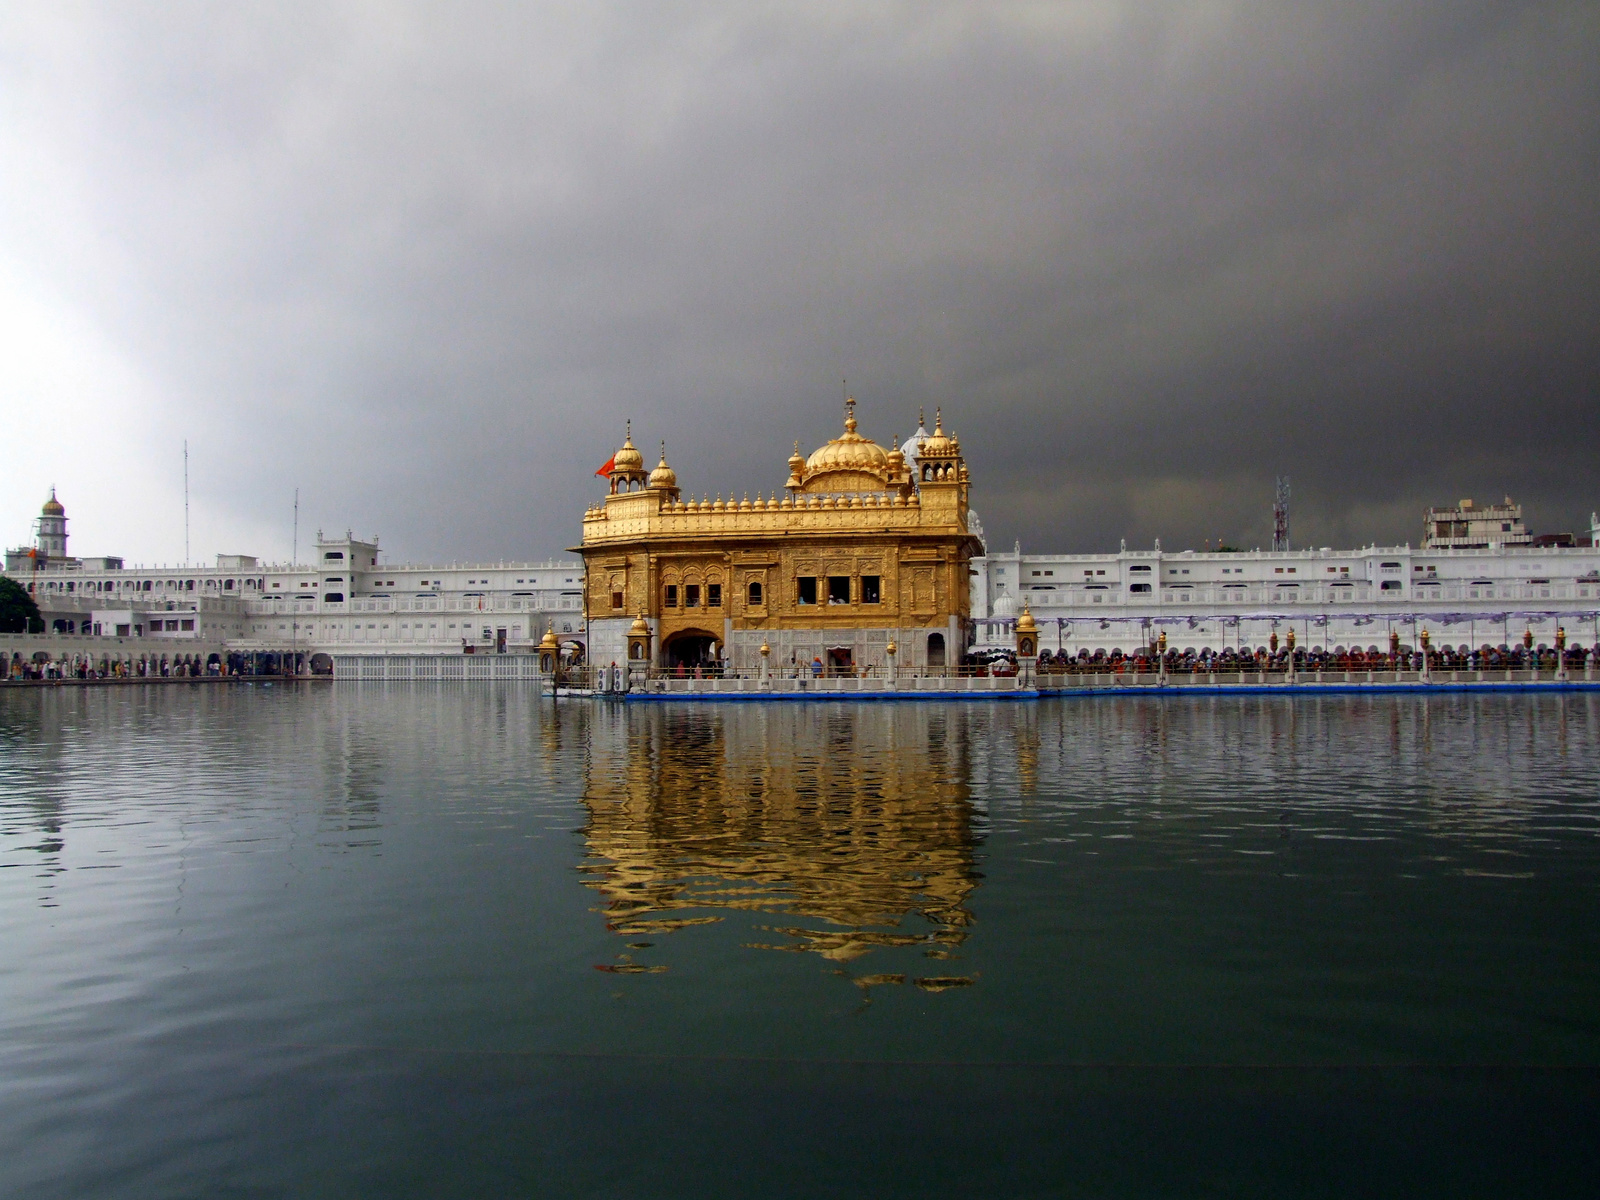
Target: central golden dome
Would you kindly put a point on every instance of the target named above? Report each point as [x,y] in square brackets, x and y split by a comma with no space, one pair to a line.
[848,463]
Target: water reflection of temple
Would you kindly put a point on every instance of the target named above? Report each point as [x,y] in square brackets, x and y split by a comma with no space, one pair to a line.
[855,828]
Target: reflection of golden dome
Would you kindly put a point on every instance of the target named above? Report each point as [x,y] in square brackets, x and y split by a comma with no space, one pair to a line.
[663,476]
[52,507]
[628,458]
[849,463]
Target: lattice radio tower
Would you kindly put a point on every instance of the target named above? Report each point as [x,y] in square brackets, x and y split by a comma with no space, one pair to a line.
[1280,514]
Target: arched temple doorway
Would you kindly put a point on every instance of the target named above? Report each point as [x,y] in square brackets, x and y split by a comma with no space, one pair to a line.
[936,649]
[690,648]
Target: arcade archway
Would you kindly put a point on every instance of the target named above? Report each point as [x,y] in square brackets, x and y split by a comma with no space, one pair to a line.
[690,648]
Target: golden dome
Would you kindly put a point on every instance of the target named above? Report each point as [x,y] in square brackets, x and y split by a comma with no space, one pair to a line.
[937,444]
[628,458]
[549,642]
[52,507]
[1025,622]
[640,626]
[849,463]
[663,476]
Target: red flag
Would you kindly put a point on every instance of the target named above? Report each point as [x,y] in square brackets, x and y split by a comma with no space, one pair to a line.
[605,471]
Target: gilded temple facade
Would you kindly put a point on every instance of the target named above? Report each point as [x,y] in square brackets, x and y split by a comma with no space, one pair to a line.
[863,548]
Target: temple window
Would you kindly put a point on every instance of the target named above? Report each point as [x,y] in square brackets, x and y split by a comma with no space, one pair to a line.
[691,595]
[755,594]
[713,595]
[808,589]
[838,589]
[616,599]
[672,595]
[869,589]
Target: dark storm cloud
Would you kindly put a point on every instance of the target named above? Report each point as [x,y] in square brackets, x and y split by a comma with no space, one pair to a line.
[425,261]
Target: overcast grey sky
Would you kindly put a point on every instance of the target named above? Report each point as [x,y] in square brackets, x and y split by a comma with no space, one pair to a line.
[423,261]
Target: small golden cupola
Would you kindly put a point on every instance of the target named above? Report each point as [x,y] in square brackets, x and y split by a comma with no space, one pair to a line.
[848,463]
[53,507]
[627,465]
[1027,633]
[664,478]
[939,456]
[797,466]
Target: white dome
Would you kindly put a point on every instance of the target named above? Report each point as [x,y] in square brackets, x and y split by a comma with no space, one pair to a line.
[1005,605]
[913,444]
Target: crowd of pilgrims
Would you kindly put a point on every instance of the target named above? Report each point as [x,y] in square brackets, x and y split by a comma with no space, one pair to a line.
[145,666]
[1146,659]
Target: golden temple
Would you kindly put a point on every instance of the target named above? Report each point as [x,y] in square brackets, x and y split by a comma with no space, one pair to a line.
[861,551]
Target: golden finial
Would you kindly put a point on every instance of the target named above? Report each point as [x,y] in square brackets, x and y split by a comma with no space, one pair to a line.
[849,414]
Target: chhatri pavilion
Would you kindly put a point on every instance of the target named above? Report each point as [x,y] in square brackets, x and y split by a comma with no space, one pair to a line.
[863,547]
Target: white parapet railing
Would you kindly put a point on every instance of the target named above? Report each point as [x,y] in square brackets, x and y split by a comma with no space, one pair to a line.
[435,668]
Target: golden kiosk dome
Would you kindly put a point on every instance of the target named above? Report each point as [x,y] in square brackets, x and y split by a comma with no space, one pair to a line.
[549,642]
[1025,622]
[937,444]
[52,507]
[663,476]
[628,460]
[848,463]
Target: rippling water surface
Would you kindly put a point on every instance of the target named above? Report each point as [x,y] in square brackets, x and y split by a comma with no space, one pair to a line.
[462,942]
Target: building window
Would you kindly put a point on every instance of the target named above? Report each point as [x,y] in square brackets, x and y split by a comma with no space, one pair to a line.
[334,597]
[616,599]
[870,589]
[838,589]
[672,595]
[808,589]
[755,595]
[713,595]
[691,595]
[1139,587]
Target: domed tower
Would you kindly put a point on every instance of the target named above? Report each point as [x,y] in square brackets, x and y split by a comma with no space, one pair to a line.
[941,471]
[627,466]
[52,538]
[664,478]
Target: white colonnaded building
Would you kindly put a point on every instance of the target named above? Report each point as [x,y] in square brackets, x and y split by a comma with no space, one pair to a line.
[345,600]
[1477,578]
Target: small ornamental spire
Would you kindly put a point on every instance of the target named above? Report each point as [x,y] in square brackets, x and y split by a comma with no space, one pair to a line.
[849,414]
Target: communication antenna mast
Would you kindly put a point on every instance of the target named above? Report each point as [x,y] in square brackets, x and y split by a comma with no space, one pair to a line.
[186,502]
[1280,514]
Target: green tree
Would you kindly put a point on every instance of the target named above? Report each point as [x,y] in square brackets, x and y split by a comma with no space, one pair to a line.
[18,612]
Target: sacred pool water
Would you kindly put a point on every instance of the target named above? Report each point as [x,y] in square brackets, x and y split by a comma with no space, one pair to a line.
[433,941]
